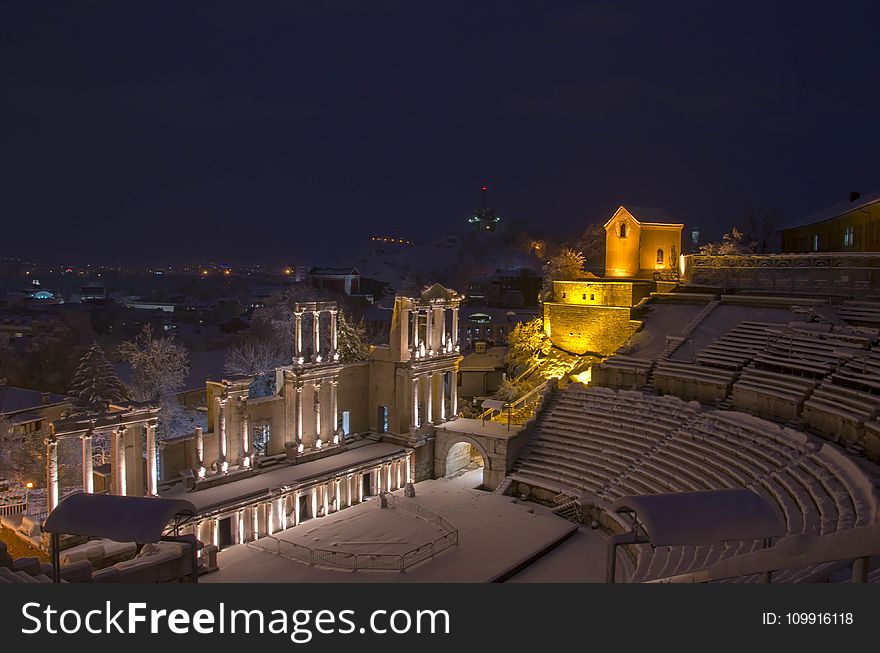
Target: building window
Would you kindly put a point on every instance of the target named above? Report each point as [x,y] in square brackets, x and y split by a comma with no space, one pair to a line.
[584,296]
[848,237]
[622,230]
[660,256]
[563,295]
[815,242]
[592,297]
[261,438]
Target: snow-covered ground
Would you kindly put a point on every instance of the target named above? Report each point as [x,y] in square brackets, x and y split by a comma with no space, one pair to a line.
[580,559]
[497,534]
[664,318]
[722,320]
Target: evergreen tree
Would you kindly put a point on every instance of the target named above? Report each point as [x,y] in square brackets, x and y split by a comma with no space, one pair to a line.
[95,383]
[351,339]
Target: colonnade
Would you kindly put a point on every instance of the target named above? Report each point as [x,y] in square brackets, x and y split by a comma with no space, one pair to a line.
[121,440]
[424,392]
[424,331]
[336,492]
[317,351]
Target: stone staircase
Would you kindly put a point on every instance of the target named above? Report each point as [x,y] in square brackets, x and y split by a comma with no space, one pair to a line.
[674,342]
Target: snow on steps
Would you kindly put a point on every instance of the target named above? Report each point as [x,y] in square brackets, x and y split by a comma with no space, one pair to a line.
[608,444]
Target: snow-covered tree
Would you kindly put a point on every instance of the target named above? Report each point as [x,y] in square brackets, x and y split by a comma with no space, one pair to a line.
[352,340]
[160,365]
[566,265]
[95,384]
[257,357]
[526,343]
[591,244]
[733,243]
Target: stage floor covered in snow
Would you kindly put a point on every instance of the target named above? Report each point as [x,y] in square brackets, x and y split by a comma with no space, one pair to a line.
[498,536]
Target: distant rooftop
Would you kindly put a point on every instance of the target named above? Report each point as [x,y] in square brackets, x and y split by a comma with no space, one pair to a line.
[834,211]
[15,400]
[334,271]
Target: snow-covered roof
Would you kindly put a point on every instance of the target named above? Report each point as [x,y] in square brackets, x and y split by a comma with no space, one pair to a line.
[490,361]
[645,216]
[833,211]
[695,518]
[123,519]
[14,400]
[333,272]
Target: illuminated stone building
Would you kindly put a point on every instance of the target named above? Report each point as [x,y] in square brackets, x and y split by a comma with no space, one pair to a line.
[641,243]
[849,226]
[332,434]
[593,315]
[596,315]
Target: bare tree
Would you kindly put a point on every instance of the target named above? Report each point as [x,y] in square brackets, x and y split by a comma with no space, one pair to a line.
[733,243]
[257,357]
[160,365]
[762,230]
[591,243]
[566,265]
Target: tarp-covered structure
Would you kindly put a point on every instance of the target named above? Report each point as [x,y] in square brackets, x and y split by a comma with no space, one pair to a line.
[120,518]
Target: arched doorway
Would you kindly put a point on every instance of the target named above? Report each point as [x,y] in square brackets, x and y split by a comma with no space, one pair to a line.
[464,465]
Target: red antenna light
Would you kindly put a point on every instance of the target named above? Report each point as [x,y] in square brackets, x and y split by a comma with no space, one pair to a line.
[484,188]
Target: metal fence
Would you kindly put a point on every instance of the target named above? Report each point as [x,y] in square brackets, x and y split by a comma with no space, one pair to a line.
[8,509]
[375,561]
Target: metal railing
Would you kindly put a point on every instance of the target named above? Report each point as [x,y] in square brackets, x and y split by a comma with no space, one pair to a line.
[375,561]
[527,404]
[854,546]
[9,509]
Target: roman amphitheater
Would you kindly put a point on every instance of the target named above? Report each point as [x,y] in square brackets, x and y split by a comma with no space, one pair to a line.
[722,426]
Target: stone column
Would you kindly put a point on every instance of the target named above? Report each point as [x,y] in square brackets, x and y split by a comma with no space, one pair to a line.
[333,332]
[314,498]
[316,334]
[298,423]
[404,330]
[429,401]
[415,402]
[120,461]
[200,453]
[53,490]
[221,435]
[454,328]
[296,516]
[299,334]
[152,472]
[442,396]
[325,489]
[245,435]
[87,463]
[317,403]
[443,330]
[453,393]
[338,495]
[415,329]
[409,475]
[429,329]
[334,408]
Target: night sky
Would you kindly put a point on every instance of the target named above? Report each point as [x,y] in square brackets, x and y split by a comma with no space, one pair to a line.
[292,131]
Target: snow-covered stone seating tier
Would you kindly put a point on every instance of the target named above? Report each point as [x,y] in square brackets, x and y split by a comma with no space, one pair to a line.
[604,444]
[738,346]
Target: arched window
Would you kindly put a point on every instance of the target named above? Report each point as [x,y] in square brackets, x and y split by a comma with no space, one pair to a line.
[623,230]
[660,256]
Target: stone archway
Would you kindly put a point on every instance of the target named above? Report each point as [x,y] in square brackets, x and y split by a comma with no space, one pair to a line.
[464,464]
[459,453]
